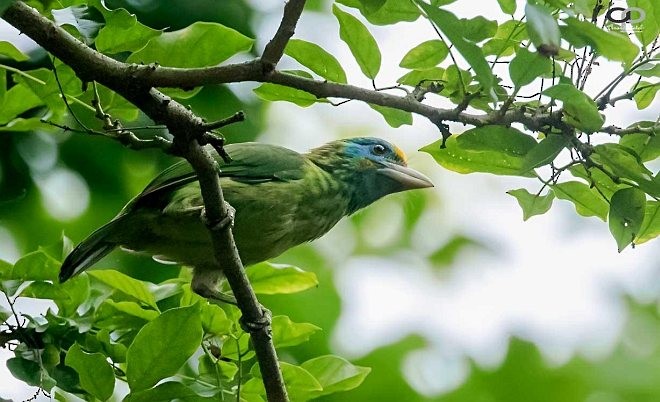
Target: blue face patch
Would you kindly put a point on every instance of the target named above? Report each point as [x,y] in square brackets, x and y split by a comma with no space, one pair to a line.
[375,149]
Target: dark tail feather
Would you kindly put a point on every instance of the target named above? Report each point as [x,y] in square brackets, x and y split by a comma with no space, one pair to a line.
[87,253]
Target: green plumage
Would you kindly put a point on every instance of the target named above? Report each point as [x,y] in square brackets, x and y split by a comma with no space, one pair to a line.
[282,199]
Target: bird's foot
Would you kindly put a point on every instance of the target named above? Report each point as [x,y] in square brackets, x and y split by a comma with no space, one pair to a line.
[258,325]
[224,223]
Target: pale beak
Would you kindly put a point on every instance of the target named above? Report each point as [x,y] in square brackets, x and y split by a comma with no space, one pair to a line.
[408,178]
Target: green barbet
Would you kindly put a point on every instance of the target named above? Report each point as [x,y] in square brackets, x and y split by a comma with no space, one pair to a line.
[281,199]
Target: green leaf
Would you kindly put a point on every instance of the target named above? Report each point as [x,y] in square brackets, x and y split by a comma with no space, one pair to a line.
[134,288]
[626,215]
[316,59]
[167,392]
[453,30]
[507,39]
[542,27]
[596,177]
[300,384]
[586,200]
[86,20]
[163,346]
[9,50]
[288,333]
[197,45]
[425,55]
[623,162]
[527,66]
[44,290]
[214,320]
[209,367]
[18,99]
[647,30]
[421,77]
[394,117]
[579,109]
[545,151]
[268,279]
[532,204]
[648,70]
[129,308]
[274,92]
[646,93]
[371,6]
[508,6]
[650,228]
[30,372]
[446,254]
[489,149]
[646,146]
[96,375]
[36,266]
[122,32]
[4,4]
[478,28]
[612,45]
[391,12]
[335,374]
[362,44]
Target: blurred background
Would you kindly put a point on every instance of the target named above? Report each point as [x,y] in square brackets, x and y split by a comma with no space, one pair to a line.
[445,293]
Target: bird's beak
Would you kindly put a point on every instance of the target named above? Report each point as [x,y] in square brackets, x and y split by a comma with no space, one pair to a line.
[408,178]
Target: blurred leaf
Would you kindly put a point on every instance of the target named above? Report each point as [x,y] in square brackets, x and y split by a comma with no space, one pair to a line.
[391,12]
[9,50]
[451,27]
[86,20]
[288,333]
[4,4]
[478,28]
[646,146]
[130,308]
[626,215]
[316,59]
[208,367]
[587,201]
[611,45]
[579,109]
[648,70]
[647,29]
[394,117]
[300,384]
[267,278]
[527,66]
[363,46]
[489,149]
[372,6]
[542,27]
[418,77]
[532,204]
[132,287]
[30,372]
[507,39]
[595,176]
[214,320]
[96,375]
[425,55]
[335,374]
[166,392]
[623,162]
[507,6]
[448,252]
[44,290]
[162,347]
[647,91]
[122,32]
[650,228]
[545,151]
[193,46]
[18,99]
[36,266]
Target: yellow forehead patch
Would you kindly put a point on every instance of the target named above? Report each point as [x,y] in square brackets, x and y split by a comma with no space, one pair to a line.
[399,152]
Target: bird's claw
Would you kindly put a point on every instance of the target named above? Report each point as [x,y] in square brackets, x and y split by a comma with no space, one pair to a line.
[258,325]
[227,221]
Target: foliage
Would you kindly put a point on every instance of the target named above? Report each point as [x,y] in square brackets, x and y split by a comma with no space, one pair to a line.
[109,326]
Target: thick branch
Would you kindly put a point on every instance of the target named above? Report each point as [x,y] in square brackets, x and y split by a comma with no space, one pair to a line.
[275,48]
[186,127]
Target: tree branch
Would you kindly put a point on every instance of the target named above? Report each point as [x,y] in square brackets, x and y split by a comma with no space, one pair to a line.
[186,128]
[275,48]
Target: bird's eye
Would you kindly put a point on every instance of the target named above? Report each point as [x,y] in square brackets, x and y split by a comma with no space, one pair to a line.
[378,149]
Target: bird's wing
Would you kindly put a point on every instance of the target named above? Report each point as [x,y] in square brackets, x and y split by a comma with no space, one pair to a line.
[251,163]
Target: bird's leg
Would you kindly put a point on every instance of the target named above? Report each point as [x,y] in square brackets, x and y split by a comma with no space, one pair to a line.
[255,326]
[227,221]
[204,283]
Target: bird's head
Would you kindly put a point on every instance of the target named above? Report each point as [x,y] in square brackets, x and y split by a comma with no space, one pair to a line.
[370,167]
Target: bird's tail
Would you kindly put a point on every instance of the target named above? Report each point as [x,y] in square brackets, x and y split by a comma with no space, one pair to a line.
[88,252]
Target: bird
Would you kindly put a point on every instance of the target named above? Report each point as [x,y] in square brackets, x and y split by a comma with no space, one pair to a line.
[280,198]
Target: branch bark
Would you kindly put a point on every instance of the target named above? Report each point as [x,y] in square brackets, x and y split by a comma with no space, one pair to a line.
[186,128]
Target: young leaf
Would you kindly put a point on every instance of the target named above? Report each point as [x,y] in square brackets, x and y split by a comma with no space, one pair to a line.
[612,45]
[425,55]
[300,384]
[421,77]
[579,109]
[268,279]
[362,44]
[545,151]
[646,93]
[596,177]
[335,374]
[478,28]
[288,333]
[127,285]
[197,45]
[86,20]
[542,27]
[489,149]
[96,375]
[623,162]
[166,392]
[9,50]
[626,215]
[532,204]
[451,27]
[316,59]
[163,346]
[394,117]
[36,266]
[274,92]
[586,200]
[527,66]
[391,12]
[647,147]
[123,32]
[651,225]
[508,6]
